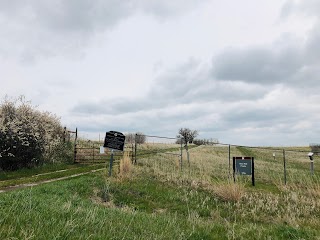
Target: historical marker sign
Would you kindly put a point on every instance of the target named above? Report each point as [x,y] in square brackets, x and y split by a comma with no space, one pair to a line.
[114,140]
[243,166]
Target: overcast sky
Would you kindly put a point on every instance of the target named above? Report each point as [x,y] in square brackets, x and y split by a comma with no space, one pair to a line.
[246,72]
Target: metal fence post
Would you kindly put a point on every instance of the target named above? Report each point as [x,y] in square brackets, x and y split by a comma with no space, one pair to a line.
[229,160]
[181,139]
[284,167]
[92,152]
[252,174]
[75,147]
[188,157]
[132,153]
[111,163]
[135,149]
[311,167]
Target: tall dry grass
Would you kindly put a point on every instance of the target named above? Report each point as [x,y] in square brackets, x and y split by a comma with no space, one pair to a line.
[229,191]
[125,167]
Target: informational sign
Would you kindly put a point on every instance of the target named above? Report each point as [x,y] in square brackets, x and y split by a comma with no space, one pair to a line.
[114,140]
[102,150]
[243,166]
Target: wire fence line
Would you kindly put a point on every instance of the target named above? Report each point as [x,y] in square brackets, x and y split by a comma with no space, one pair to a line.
[292,160]
[289,159]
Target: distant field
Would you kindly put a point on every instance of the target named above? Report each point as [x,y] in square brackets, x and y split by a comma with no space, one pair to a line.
[156,200]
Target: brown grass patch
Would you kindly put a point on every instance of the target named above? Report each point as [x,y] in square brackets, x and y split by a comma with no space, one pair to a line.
[230,191]
[126,167]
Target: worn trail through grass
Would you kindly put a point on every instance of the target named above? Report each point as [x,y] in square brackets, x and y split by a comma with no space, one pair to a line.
[37,179]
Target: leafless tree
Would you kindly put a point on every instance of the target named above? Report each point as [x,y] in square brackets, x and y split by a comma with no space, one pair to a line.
[140,138]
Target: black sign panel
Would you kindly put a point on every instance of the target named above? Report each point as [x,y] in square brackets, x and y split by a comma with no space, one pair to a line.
[114,140]
[243,166]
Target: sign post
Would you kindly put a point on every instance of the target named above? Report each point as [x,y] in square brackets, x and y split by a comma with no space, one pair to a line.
[115,141]
[111,163]
[243,166]
[311,162]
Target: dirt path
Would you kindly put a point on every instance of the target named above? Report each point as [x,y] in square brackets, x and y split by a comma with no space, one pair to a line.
[25,185]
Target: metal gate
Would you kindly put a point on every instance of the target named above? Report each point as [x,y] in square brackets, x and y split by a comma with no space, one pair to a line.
[89,152]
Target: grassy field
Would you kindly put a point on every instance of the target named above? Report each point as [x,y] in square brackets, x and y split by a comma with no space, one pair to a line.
[155,200]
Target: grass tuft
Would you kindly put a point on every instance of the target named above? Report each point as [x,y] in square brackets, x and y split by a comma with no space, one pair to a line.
[126,167]
[230,191]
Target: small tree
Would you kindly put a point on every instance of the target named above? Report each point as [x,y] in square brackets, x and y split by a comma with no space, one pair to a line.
[188,135]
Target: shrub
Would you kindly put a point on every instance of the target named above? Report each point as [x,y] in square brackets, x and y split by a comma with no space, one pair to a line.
[60,152]
[26,134]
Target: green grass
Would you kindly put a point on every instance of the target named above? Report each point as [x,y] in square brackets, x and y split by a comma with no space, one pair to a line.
[27,172]
[143,209]
[160,202]
[65,210]
[50,172]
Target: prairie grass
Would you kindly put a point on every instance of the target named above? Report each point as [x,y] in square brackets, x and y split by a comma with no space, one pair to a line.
[125,167]
[229,191]
[161,200]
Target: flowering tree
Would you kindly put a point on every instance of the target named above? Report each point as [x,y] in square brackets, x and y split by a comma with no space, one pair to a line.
[26,134]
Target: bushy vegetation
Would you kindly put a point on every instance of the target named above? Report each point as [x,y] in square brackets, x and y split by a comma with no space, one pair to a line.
[28,137]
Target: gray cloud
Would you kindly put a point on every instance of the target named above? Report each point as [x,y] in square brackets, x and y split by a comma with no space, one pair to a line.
[256,116]
[285,62]
[240,94]
[312,45]
[47,28]
[258,65]
[188,83]
[188,96]
[305,7]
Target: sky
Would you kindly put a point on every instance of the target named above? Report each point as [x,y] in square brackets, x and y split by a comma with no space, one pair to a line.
[243,72]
